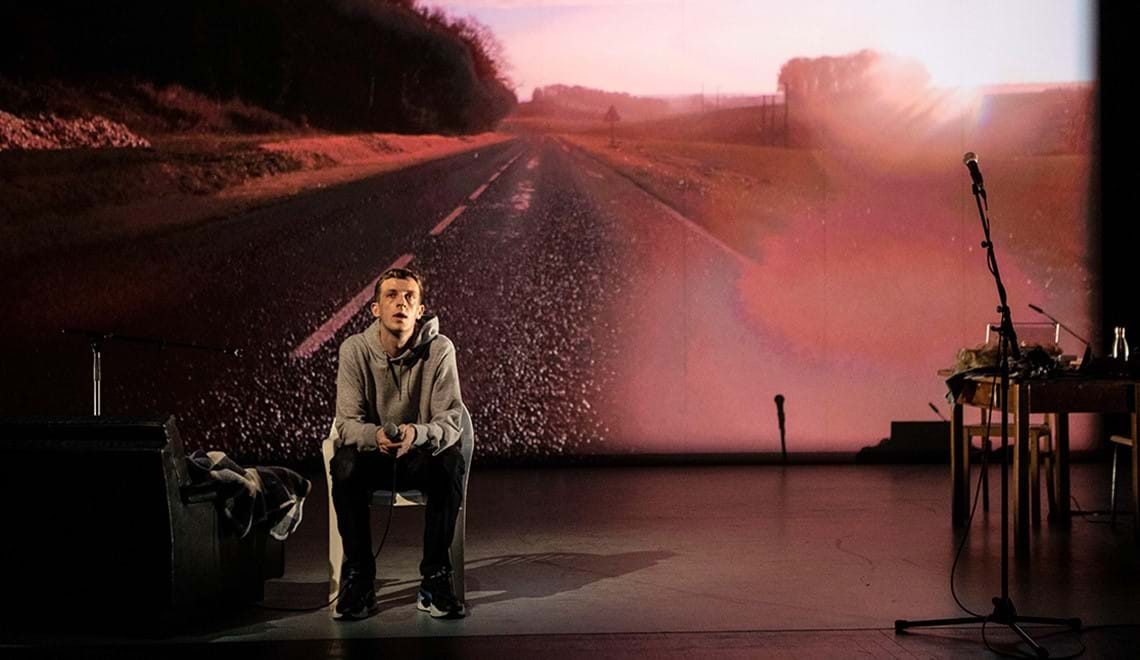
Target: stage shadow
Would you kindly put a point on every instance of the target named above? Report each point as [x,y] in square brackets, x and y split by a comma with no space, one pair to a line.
[489,580]
[510,577]
[283,600]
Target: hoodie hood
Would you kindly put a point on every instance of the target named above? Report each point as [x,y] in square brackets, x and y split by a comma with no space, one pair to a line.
[426,330]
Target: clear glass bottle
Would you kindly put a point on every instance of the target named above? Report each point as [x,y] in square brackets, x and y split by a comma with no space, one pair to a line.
[1119,344]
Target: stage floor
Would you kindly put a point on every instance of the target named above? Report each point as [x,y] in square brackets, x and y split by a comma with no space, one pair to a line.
[688,562]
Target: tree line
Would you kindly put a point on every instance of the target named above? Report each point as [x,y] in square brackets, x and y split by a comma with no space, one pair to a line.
[386,65]
[593,103]
[871,98]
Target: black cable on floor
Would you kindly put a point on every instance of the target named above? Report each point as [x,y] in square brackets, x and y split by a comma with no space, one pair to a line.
[973,509]
[957,556]
[375,556]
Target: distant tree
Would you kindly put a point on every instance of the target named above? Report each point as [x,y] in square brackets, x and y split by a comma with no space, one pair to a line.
[854,99]
[589,102]
[343,64]
[865,73]
[486,50]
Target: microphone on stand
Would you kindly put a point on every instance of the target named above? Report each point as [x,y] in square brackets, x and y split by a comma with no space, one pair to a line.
[780,419]
[1061,325]
[1087,357]
[971,161]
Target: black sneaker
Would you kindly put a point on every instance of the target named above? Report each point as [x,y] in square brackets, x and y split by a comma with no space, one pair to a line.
[357,595]
[437,597]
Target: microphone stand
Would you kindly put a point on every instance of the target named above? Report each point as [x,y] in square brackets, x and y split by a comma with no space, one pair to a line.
[1086,359]
[1004,612]
[780,419]
[96,338]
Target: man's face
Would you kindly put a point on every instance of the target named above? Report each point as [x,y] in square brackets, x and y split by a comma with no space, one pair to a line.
[399,305]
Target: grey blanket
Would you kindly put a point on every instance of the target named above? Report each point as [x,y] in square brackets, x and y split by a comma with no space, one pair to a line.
[251,496]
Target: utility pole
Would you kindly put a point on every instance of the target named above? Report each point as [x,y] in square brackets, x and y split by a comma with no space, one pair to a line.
[613,118]
[787,100]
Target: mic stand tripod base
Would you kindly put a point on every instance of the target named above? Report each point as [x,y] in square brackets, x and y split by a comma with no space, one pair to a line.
[1004,614]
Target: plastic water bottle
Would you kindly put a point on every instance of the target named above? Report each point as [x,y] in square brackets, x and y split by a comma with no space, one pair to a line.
[1119,344]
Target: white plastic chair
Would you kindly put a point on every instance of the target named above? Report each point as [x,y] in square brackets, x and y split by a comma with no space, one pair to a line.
[403,498]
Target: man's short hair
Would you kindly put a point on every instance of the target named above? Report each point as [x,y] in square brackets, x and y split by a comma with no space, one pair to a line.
[399,274]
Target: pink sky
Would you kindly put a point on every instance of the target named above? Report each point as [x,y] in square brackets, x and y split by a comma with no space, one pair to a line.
[737,46]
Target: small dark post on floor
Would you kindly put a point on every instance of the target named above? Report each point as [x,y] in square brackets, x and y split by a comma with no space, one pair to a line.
[780,419]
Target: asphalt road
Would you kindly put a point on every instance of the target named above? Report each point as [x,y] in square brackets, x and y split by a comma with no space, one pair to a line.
[523,277]
[589,316]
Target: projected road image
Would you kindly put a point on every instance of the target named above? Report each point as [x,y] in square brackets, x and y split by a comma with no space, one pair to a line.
[507,275]
[623,269]
[589,315]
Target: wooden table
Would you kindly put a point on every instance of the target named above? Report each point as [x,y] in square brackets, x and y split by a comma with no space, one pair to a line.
[1059,397]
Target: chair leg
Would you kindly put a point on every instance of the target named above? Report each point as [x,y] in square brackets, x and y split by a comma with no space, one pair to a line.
[987,447]
[336,548]
[1050,486]
[457,566]
[1035,478]
[1112,490]
[336,555]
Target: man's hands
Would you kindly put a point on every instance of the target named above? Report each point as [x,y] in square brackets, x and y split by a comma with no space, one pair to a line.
[403,445]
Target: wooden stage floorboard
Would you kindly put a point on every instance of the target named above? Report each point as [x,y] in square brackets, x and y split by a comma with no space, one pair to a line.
[738,561]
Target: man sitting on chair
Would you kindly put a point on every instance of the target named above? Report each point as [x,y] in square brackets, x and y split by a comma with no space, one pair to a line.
[399,372]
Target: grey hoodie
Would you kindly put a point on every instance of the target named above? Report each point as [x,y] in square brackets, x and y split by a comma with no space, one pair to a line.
[420,387]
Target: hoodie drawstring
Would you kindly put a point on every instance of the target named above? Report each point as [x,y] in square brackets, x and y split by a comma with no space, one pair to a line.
[396,379]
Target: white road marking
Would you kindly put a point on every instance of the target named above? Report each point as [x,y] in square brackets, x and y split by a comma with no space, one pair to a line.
[509,163]
[330,327]
[701,231]
[443,224]
[479,191]
[448,220]
[521,199]
[694,226]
